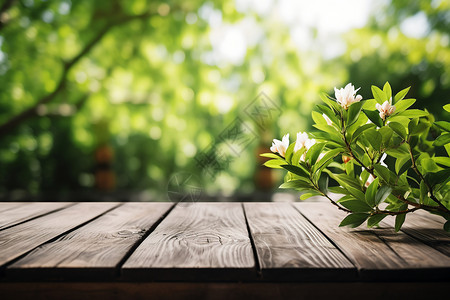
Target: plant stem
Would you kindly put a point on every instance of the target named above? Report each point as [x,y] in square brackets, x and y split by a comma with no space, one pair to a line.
[395,213]
[328,197]
[350,151]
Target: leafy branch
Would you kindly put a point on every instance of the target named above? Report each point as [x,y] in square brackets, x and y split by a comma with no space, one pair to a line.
[348,126]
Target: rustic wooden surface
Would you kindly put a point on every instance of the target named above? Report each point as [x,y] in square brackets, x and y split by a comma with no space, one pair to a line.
[206,241]
[379,253]
[208,249]
[291,248]
[16,214]
[18,240]
[75,255]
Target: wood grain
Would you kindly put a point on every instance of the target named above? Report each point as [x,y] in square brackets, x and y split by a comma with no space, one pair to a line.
[207,241]
[9,205]
[94,250]
[26,211]
[18,240]
[429,216]
[427,228]
[290,248]
[378,253]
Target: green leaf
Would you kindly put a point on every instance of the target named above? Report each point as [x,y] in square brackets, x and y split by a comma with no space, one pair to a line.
[429,165]
[360,130]
[375,219]
[443,125]
[355,205]
[441,160]
[353,112]
[330,102]
[440,177]
[382,193]
[405,167]
[371,192]
[412,123]
[399,220]
[309,195]
[374,138]
[402,105]
[297,155]
[378,94]
[296,170]
[270,155]
[338,190]
[350,184]
[327,157]
[318,118]
[275,163]
[418,128]
[364,175]
[374,116]
[326,137]
[387,90]
[288,154]
[399,119]
[354,220]
[447,107]
[369,103]
[413,113]
[423,191]
[296,184]
[398,128]
[400,95]
[329,113]
[442,140]
[386,134]
[349,168]
[447,224]
[323,183]
[314,152]
[385,174]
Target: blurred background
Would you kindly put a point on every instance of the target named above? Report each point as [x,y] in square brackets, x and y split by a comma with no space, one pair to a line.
[146,100]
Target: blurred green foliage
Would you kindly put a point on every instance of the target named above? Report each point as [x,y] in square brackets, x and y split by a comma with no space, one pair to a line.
[139,78]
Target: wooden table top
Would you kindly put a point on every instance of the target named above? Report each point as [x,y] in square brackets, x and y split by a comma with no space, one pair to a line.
[220,242]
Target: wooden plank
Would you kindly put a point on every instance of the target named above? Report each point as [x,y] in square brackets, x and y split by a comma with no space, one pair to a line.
[379,254]
[427,228]
[198,241]
[18,240]
[429,216]
[290,248]
[93,251]
[26,211]
[9,205]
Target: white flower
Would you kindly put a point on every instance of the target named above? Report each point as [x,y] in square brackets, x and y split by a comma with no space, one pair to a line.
[346,96]
[327,119]
[303,141]
[302,137]
[386,109]
[280,146]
